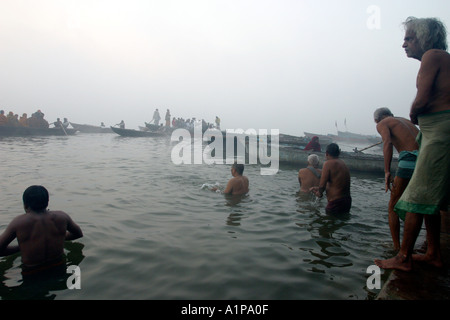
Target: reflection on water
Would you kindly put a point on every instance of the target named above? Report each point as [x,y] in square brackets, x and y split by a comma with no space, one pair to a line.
[41,286]
[155,230]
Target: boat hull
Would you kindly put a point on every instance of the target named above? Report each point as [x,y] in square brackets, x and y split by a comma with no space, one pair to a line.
[356,162]
[136,133]
[7,131]
[87,128]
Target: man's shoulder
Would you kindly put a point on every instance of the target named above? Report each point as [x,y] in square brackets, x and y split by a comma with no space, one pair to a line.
[58,213]
[435,55]
[20,220]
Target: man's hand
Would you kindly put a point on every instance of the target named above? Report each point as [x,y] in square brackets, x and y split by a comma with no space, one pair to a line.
[388,181]
[316,191]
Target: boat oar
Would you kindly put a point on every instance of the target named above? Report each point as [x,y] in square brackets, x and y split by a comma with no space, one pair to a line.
[356,150]
[62,127]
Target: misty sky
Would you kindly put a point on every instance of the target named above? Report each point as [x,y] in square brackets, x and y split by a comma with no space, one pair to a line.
[291,65]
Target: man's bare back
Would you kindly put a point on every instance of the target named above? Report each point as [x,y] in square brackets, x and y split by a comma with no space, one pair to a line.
[336,176]
[41,236]
[237,185]
[308,179]
[40,233]
[399,132]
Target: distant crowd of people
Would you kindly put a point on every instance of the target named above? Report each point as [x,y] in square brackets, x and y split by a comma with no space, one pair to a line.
[35,121]
[181,122]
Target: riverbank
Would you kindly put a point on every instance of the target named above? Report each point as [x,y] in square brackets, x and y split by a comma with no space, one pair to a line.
[424,282]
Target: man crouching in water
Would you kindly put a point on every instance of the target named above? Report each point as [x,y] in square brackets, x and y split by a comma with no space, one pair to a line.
[40,233]
[335,180]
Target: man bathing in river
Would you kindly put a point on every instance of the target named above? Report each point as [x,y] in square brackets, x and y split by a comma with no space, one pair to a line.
[335,180]
[399,133]
[310,176]
[40,233]
[238,185]
[428,190]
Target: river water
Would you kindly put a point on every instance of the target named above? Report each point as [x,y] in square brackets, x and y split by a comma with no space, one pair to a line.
[154,230]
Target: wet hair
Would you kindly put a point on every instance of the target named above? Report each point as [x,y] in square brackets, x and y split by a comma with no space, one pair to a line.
[380,113]
[313,159]
[35,198]
[333,150]
[430,32]
[239,168]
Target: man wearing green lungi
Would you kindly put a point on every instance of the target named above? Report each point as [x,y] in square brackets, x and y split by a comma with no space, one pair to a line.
[428,190]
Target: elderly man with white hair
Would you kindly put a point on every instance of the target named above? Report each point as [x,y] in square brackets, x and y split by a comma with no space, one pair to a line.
[428,190]
[310,176]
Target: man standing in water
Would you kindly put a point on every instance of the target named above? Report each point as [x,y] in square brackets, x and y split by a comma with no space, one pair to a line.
[428,189]
[399,133]
[40,233]
[238,185]
[310,176]
[336,181]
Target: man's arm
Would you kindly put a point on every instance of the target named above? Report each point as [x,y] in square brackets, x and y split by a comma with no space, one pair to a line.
[229,188]
[318,191]
[6,238]
[300,177]
[73,230]
[428,71]
[388,150]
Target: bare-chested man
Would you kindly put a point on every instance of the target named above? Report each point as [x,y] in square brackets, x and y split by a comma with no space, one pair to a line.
[398,133]
[428,189]
[336,181]
[310,176]
[238,185]
[40,233]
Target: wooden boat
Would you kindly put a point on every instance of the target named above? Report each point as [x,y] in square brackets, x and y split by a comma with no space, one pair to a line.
[88,128]
[136,133]
[355,137]
[285,139]
[168,130]
[355,161]
[8,131]
[324,140]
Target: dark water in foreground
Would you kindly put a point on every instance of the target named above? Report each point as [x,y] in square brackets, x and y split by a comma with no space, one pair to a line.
[153,230]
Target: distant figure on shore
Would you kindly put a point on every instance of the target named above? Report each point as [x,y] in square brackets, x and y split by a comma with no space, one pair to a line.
[310,176]
[37,120]
[3,119]
[428,190]
[398,133]
[40,233]
[24,120]
[168,118]
[13,120]
[121,124]
[335,180]
[58,123]
[238,185]
[217,122]
[156,117]
[314,145]
[66,123]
